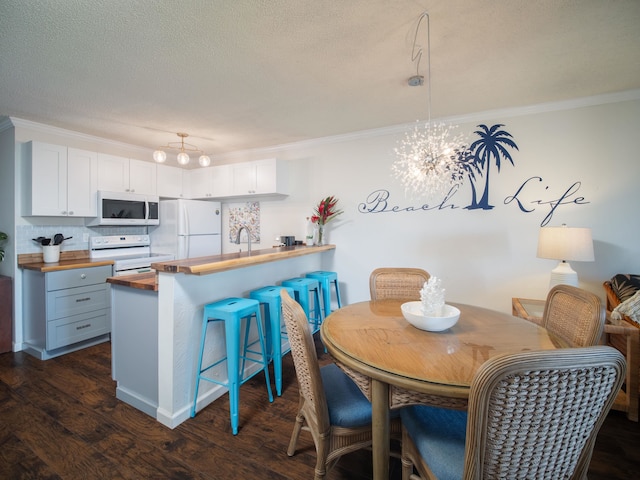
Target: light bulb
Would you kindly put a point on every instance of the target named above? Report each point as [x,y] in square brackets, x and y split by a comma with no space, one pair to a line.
[183,158]
[204,160]
[159,156]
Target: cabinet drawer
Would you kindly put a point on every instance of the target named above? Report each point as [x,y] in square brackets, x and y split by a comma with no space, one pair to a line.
[77,328]
[74,301]
[77,277]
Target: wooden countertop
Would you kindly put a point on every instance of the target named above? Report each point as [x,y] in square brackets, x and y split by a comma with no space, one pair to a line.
[68,261]
[230,261]
[141,281]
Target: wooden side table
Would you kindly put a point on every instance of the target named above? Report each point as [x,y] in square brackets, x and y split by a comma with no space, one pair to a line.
[627,400]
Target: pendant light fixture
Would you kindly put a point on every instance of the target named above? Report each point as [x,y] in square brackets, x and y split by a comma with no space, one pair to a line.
[426,162]
[184,149]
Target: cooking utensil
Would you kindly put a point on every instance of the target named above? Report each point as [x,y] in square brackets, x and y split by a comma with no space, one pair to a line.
[46,241]
[38,240]
[58,239]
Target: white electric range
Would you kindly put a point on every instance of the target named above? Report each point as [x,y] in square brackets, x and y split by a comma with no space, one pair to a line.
[131,253]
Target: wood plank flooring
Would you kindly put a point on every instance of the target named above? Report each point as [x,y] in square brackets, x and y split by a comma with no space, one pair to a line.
[59,419]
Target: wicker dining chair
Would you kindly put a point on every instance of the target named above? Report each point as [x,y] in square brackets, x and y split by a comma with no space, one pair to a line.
[533,414]
[397,283]
[574,315]
[332,408]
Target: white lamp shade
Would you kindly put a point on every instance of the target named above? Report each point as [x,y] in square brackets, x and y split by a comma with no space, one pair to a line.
[566,243]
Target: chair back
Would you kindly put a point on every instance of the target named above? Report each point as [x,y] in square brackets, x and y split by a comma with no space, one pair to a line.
[305,360]
[537,414]
[397,283]
[574,315]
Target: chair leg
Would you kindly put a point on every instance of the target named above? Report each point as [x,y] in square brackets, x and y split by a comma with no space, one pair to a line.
[297,427]
[265,355]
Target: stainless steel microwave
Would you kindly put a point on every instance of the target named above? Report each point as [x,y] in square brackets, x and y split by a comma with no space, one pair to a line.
[121,208]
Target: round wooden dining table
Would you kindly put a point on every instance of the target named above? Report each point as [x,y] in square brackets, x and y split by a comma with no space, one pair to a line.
[396,364]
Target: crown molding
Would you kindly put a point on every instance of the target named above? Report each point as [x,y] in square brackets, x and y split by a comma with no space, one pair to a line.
[8,122]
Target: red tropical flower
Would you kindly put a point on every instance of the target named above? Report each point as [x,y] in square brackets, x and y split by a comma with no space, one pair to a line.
[325,211]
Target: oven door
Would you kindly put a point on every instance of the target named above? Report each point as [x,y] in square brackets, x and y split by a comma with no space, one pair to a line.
[133,271]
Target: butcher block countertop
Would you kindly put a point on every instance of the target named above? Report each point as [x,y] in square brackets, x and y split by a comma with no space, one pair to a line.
[68,260]
[142,281]
[230,261]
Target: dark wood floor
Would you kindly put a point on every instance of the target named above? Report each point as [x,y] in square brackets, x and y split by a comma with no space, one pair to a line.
[59,419]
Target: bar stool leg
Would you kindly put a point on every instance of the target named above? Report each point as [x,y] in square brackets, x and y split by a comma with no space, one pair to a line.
[233,372]
[205,323]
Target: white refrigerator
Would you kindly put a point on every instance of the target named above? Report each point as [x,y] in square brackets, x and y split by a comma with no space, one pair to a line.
[188,229]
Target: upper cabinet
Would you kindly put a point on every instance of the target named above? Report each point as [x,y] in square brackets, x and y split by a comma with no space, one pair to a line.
[210,182]
[171,182]
[120,174]
[246,179]
[261,177]
[60,181]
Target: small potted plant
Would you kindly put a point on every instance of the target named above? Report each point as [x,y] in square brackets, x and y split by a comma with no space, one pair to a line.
[3,238]
[323,214]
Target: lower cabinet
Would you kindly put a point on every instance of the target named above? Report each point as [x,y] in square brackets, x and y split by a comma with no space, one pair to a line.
[65,310]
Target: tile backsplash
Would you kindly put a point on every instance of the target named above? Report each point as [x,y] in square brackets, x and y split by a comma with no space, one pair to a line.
[26,234]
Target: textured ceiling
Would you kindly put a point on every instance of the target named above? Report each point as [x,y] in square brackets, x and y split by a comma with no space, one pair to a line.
[245,74]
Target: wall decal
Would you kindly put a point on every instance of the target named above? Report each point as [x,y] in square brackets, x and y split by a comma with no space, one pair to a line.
[492,148]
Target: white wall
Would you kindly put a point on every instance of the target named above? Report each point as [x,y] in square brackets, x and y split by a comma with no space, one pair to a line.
[484,257]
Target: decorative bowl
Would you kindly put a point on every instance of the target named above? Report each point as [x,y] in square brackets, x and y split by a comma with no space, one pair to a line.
[412,312]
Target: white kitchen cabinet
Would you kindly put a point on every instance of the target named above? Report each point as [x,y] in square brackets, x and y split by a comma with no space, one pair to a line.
[261,177]
[61,181]
[170,182]
[121,174]
[201,183]
[211,182]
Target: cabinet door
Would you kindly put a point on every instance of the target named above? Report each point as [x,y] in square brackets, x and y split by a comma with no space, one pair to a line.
[266,176]
[222,181]
[48,180]
[142,177]
[113,173]
[244,178]
[201,183]
[169,181]
[82,182]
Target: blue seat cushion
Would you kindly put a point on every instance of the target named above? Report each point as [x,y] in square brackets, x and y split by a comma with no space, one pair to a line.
[348,407]
[439,435]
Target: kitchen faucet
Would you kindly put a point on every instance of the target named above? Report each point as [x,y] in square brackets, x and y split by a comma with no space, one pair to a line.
[244,227]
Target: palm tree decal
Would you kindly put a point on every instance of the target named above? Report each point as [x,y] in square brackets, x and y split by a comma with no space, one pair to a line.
[492,145]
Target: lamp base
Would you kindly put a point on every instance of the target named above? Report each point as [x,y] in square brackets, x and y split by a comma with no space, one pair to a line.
[563,274]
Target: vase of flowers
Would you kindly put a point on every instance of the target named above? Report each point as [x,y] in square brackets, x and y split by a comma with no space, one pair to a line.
[323,214]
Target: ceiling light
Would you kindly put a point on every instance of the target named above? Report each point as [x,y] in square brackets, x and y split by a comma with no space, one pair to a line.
[427,158]
[183,157]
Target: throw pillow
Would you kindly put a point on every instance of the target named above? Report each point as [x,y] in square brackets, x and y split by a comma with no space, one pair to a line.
[630,308]
[625,285]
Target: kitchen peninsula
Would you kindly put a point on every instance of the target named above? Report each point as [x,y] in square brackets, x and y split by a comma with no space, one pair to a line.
[157,322]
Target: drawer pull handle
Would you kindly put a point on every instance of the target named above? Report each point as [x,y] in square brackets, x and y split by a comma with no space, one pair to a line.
[80,327]
[83,299]
[83,276]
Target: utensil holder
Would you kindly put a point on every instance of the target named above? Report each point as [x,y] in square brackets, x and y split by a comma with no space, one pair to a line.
[51,253]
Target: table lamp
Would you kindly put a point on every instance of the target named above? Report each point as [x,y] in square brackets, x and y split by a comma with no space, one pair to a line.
[565,244]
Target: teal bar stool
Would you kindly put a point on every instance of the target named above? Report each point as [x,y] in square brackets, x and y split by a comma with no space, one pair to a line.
[326,279]
[305,288]
[231,311]
[269,298]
